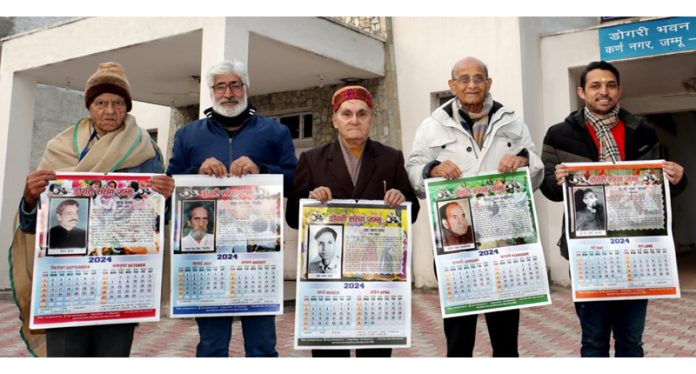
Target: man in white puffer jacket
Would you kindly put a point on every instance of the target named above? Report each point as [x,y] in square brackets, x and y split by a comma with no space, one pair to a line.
[469,135]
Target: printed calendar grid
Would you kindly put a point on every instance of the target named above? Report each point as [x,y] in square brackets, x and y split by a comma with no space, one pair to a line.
[240,283]
[94,290]
[638,267]
[471,282]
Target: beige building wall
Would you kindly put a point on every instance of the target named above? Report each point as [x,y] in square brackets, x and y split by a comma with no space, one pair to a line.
[559,97]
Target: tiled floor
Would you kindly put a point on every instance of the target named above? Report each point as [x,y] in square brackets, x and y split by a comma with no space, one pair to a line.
[550,331]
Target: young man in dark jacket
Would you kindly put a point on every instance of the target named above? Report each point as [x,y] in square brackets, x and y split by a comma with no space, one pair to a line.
[603,132]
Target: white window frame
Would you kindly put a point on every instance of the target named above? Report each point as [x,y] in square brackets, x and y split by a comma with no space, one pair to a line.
[438,98]
[302,141]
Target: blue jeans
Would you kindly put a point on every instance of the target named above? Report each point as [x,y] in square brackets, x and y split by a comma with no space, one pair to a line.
[625,318]
[216,332]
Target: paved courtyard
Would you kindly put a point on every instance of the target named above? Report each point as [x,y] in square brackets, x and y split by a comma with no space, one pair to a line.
[549,331]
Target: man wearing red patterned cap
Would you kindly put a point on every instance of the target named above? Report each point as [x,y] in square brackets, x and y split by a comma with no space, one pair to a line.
[351,167]
[109,140]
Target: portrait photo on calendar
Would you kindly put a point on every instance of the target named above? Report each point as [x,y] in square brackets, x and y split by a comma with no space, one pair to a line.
[590,217]
[198,233]
[67,234]
[617,202]
[325,251]
[456,230]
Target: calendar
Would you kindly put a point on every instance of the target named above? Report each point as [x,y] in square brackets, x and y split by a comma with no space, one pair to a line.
[226,246]
[98,257]
[486,244]
[619,231]
[354,275]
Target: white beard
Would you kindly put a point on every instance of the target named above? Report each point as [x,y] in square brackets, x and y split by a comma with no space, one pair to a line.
[198,234]
[230,111]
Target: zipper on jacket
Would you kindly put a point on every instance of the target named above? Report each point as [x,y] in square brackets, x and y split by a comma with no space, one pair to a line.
[229,150]
[506,113]
[492,133]
[229,147]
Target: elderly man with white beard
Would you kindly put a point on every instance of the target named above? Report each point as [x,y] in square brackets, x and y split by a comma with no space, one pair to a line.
[233,140]
[198,239]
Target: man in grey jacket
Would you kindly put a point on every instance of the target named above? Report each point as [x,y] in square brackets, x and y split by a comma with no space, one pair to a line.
[466,136]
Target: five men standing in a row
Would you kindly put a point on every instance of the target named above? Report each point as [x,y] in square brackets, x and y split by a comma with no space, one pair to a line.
[468,135]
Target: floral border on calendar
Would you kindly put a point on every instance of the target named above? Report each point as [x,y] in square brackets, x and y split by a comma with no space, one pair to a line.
[631,198]
[370,221]
[498,208]
[256,210]
[111,201]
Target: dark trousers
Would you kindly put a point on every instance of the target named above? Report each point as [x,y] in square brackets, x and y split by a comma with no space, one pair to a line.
[362,352]
[503,328]
[216,332]
[90,341]
[625,318]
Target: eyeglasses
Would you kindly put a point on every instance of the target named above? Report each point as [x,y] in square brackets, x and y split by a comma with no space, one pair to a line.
[465,79]
[233,86]
[103,104]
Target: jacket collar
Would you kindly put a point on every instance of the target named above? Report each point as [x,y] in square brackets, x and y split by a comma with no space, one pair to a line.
[448,109]
[331,267]
[221,123]
[629,120]
[339,170]
[250,111]
[443,115]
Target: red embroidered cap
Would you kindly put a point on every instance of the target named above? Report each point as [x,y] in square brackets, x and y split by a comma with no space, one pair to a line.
[350,93]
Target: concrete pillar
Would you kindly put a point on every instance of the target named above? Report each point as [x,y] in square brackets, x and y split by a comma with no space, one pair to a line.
[16,123]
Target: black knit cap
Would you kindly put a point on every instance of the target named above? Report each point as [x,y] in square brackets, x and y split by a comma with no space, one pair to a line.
[109,78]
